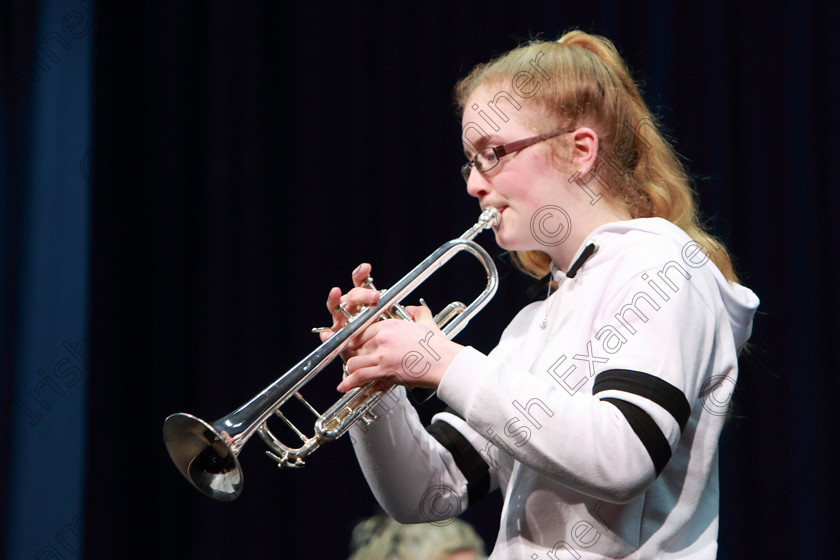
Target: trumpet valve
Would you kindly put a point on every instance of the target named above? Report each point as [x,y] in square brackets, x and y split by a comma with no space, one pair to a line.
[369,417]
[343,308]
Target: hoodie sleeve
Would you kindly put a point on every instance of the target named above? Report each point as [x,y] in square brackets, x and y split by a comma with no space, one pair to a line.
[422,474]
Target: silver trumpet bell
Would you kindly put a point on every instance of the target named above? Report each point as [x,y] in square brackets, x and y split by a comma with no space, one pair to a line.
[207,453]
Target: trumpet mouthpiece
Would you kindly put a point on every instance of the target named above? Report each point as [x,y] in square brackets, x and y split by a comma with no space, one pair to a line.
[490,217]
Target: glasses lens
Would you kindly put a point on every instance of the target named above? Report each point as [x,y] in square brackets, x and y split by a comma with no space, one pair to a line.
[486,160]
[465,170]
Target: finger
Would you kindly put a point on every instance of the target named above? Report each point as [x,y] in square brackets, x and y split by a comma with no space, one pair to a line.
[347,384]
[358,362]
[350,382]
[361,273]
[324,333]
[365,375]
[361,369]
[358,297]
[341,305]
[362,338]
[333,298]
[383,385]
[333,301]
[380,385]
[420,313]
[354,302]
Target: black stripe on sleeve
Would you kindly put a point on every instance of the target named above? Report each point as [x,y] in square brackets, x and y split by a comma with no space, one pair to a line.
[453,412]
[467,459]
[648,386]
[649,433]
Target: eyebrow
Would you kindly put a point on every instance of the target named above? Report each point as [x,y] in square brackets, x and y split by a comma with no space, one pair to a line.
[482,143]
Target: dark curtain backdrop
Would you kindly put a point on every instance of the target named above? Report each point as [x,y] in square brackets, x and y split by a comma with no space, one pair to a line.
[45,146]
[249,156]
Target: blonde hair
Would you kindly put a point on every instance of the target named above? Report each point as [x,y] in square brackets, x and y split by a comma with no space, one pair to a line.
[381,538]
[586,82]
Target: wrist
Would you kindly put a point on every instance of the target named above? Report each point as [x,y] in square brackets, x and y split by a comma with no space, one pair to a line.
[426,366]
[448,354]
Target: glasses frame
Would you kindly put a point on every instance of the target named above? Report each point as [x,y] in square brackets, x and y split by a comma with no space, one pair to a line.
[505,150]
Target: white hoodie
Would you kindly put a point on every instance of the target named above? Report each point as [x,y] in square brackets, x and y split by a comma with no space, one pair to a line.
[597,415]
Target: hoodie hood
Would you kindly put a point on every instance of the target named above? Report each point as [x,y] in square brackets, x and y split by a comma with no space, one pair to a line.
[739,301]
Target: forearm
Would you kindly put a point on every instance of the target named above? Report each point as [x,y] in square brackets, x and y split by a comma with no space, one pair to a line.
[412,476]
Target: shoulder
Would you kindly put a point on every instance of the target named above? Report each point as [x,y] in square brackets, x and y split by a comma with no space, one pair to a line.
[630,248]
[642,242]
[638,254]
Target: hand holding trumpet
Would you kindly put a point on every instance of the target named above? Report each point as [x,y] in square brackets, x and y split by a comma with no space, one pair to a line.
[392,352]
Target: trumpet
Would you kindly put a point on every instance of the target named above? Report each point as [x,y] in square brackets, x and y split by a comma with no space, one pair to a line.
[206,453]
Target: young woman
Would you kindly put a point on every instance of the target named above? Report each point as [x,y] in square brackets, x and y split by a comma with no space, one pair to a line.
[598,414]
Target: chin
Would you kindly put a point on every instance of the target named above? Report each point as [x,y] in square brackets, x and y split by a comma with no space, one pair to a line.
[501,241]
[508,244]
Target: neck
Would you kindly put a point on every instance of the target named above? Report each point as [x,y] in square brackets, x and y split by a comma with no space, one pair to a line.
[582,228]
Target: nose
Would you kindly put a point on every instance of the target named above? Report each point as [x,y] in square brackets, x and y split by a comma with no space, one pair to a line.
[477,185]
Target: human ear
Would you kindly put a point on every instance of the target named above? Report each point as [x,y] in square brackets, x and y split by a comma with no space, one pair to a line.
[584,149]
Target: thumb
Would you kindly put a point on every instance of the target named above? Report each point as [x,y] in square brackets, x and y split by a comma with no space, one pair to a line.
[421,314]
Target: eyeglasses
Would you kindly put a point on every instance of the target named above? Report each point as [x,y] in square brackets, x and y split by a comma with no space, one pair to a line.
[486,159]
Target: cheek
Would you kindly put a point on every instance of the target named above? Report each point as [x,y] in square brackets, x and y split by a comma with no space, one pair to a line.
[537,192]
[542,184]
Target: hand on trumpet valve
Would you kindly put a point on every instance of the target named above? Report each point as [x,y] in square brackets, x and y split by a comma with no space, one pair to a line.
[343,306]
[392,352]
